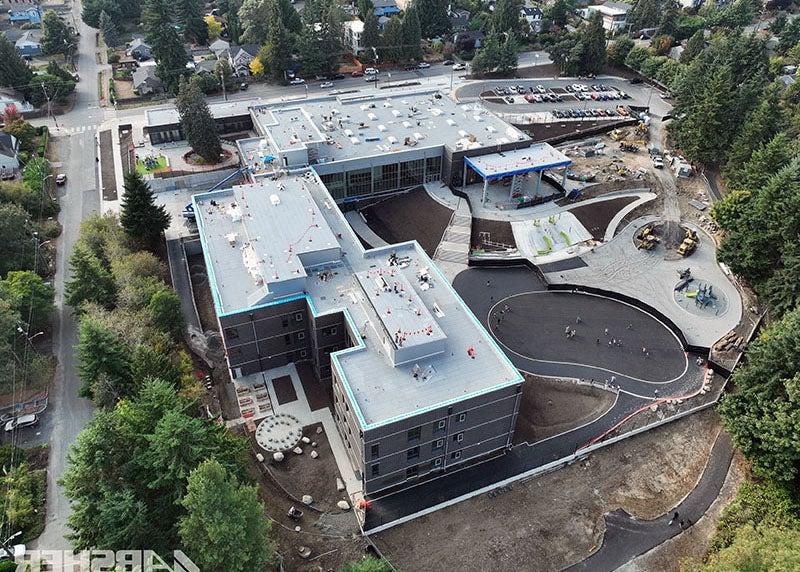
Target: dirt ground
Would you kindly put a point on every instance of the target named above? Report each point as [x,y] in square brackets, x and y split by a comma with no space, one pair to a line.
[499,231]
[301,475]
[611,164]
[409,216]
[597,216]
[202,292]
[556,520]
[552,406]
[694,543]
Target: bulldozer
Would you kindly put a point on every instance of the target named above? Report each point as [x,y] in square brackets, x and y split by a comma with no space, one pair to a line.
[645,239]
[689,243]
[617,134]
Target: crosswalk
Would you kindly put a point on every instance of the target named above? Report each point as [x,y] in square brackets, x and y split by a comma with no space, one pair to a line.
[73,130]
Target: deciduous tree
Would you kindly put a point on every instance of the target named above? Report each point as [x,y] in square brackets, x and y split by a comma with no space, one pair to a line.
[28,294]
[224,528]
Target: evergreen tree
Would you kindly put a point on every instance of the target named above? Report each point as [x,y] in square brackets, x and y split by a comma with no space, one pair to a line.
[670,14]
[224,528]
[331,32]
[56,36]
[167,47]
[619,50]
[557,12]
[30,296]
[290,18]
[90,282]
[593,39]
[309,48]
[433,17]
[392,40]
[142,219]
[694,47]
[233,23]
[488,56]
[197,122]
[165,312]
[14,72]
[644,14]
[371,37]
[506,17]
[412,34]
[109,30]
[279,43]
[364,7]
[255,18]
[103,360]
[190,15]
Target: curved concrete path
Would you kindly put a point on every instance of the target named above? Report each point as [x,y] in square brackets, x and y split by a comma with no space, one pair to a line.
[626,537]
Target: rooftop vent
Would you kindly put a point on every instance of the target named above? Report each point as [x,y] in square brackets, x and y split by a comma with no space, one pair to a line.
[381,128]
[392,139]
[451,122]
[372,116]
[275,200]
[396,112]
[462,133]
[407,124]
[355,140]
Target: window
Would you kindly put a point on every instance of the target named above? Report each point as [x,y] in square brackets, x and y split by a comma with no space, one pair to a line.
[376,469]
[303,353]
[462,417]
[301,335]
[412,453]
[232,333]
[441,424]
[458,438]
[438,445]
[433,169]
[412,173]
[375,451]
[359,182]
[298,317]
[455,455]
[329,331]
[437,462]
[412,471]
[335,184]
[414,434]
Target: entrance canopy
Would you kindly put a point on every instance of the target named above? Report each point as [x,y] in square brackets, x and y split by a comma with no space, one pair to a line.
[538,157]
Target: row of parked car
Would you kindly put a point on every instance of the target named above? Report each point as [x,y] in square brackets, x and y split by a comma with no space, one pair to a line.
[580,113]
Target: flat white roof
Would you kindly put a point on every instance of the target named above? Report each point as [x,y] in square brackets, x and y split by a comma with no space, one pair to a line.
[440,332]
[537,157]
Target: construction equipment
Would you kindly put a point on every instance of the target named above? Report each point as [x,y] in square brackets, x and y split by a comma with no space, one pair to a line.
[617,134]
[645,239]
[629,147]
[689,243]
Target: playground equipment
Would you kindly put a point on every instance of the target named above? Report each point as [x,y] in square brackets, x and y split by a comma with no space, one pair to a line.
[645,239]
[685,279]
[689,243]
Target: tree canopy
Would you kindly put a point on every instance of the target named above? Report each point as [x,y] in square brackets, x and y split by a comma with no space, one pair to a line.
[198,125]
[142,219]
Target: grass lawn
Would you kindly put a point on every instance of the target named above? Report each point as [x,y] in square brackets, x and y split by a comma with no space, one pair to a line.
[161,163]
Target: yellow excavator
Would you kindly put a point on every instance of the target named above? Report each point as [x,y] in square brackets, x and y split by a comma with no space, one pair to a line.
[689,243]
[645,239]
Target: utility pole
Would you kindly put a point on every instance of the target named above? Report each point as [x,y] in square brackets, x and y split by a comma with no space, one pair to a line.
[222,82]
[49,106]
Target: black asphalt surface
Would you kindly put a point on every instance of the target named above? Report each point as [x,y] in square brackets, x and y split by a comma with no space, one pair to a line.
[626,537]
[633,393]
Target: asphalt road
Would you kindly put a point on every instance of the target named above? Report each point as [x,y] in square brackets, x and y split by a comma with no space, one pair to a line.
[68,414]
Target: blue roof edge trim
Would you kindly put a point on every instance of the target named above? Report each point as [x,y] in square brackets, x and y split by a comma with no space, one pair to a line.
[515,171]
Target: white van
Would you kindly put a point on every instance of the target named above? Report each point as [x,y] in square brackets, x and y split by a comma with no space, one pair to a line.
[22,421]
[370,71]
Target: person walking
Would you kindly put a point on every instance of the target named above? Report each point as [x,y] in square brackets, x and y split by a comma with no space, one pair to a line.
[673,519]
[577,319]
[606,331]
[488,283]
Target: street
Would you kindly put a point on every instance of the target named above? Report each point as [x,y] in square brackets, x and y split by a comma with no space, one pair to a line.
[68,413]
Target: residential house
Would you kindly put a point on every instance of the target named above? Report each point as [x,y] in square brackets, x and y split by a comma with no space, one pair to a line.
[468,40]
[613,13]
[219,47]
[26,15]
[9,97]
[140,50]
[459,19]
[9,163]
[146,82]
[28,44]
[240,57]
[533,15]
[205,67]
[386,8]
[353,33]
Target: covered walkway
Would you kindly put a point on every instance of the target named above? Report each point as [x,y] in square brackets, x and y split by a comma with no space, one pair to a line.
[516,165]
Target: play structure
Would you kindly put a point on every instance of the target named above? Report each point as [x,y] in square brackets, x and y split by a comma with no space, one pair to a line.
[548,235]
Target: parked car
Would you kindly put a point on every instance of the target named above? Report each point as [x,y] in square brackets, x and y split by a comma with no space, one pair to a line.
[541,89]
[61,179]
[326,85]
[423,65]
[509,99]
[448,62]
[356,74]
[658,161]
[528,97]
[337,76]
[297,81]
[460,66]
[243,86]
[22,421]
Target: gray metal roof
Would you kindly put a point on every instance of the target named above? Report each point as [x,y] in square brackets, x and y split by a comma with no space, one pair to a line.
[537,157]
[386,380]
